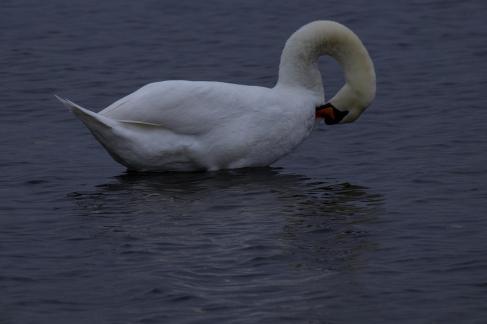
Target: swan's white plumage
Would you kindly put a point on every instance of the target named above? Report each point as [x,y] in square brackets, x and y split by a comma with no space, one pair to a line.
[188,125]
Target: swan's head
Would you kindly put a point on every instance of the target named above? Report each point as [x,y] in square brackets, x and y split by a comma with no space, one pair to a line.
[330,114]
[346,108]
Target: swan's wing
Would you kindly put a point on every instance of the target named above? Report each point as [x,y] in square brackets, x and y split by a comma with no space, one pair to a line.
[188,107]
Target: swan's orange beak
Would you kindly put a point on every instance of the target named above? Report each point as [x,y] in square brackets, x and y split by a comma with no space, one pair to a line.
[330,114]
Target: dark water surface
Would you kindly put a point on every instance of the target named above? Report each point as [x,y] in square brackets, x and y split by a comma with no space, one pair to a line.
[381,221]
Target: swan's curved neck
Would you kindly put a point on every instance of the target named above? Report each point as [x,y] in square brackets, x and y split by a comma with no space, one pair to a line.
[299,63]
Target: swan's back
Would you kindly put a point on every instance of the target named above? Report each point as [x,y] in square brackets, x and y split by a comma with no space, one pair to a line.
[191,107]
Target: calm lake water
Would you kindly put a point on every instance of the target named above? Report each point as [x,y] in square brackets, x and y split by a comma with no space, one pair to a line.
[380,221]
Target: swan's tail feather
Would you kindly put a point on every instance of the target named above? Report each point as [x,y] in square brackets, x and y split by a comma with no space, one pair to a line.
[106,130]
[94,121]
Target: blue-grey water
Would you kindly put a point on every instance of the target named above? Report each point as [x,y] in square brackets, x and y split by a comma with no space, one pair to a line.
[379,221]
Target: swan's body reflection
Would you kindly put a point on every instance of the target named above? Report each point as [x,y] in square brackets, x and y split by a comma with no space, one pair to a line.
[232,234]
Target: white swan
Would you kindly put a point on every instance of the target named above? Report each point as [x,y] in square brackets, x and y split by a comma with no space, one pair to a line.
[187,125]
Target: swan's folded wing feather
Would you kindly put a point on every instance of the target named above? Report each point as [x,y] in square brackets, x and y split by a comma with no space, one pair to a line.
[188,107]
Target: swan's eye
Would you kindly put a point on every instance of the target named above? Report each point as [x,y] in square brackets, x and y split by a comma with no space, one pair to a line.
[330,114]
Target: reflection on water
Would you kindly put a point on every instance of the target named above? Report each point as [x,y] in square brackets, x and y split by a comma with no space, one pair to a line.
[304,222]
[230,244]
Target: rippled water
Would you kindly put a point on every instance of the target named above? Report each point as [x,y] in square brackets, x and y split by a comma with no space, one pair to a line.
[382,220]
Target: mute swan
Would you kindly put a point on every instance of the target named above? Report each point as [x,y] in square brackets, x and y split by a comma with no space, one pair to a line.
[200,125]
